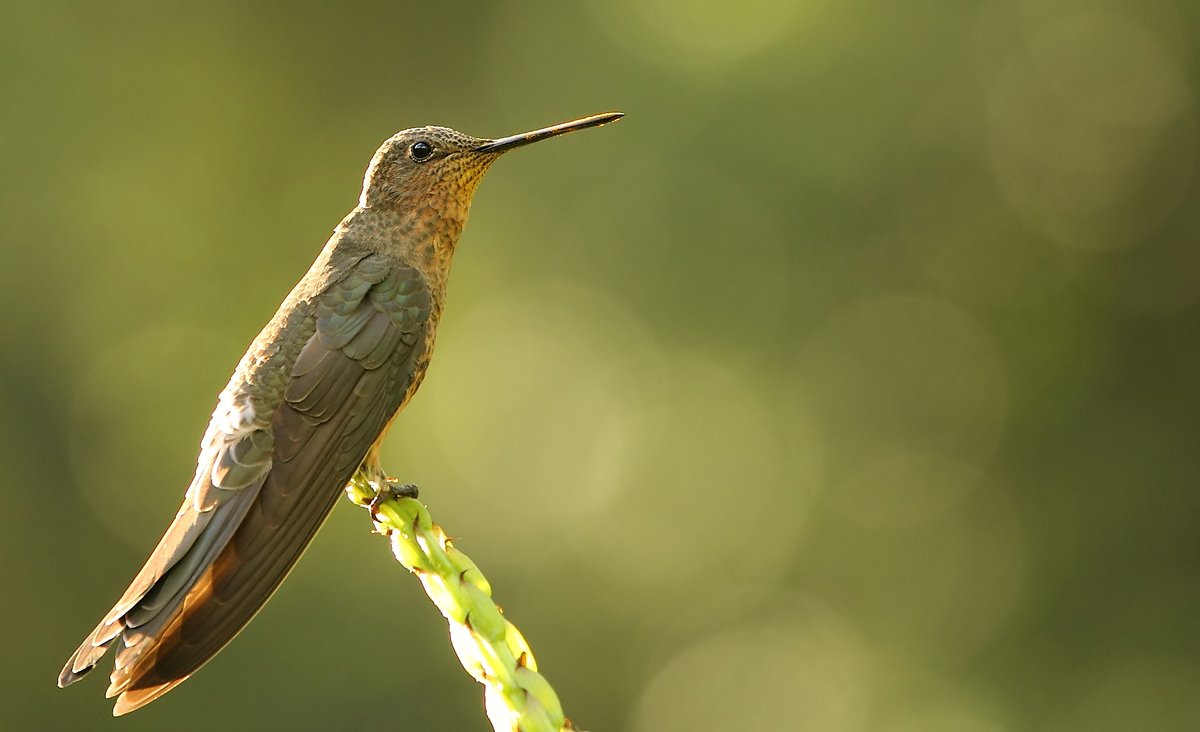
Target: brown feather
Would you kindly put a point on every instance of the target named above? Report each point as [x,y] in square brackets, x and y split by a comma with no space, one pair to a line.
[228,550]
[294,500]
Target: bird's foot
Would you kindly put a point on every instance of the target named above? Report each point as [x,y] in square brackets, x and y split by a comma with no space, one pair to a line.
[390,488]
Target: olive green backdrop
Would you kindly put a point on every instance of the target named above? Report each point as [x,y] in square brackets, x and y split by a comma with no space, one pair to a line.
[849,383]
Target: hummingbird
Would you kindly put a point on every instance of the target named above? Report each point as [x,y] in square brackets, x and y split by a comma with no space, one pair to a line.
[307,406]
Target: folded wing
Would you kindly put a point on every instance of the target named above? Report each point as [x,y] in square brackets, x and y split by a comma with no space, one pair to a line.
[269,476]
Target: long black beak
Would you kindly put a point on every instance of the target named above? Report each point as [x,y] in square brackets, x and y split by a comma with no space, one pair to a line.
[525,138]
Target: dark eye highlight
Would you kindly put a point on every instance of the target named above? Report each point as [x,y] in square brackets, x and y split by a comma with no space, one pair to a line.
[420,151]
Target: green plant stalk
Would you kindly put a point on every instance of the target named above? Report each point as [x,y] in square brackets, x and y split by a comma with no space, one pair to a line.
[491,649]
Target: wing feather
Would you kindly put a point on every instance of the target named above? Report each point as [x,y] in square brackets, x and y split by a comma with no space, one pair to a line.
[265,482]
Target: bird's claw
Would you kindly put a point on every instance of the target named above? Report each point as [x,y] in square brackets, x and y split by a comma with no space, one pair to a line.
[391,488]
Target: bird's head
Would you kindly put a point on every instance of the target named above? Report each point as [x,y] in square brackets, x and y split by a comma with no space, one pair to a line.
[429,174]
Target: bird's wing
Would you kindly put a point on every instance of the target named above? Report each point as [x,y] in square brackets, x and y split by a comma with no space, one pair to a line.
[264,495]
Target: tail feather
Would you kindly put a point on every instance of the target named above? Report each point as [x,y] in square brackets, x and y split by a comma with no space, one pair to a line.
[270,537]
[193,538]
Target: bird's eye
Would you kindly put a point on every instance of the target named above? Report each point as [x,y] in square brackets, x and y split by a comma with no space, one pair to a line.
[420,151]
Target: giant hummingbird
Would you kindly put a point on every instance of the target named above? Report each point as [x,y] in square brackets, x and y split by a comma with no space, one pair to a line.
[307,406]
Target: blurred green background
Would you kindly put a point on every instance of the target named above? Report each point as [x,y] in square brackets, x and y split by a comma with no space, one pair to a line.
[849,383]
